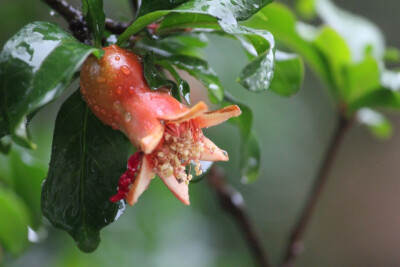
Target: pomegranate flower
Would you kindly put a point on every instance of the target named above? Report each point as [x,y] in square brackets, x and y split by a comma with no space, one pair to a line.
[167,133]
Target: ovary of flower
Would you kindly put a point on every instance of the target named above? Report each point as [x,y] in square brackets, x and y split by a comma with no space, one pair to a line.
[168,133]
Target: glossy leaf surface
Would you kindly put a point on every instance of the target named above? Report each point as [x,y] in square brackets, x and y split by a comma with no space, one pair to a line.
[87,160]
[289,74]
[36,65]
[199,69]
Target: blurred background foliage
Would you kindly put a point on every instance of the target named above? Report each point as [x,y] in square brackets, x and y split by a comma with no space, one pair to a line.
[356,222]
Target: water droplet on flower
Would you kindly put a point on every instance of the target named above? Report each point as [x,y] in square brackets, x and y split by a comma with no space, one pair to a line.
[131,90]
[119,90]
[225,153]
[128,117]
[125,70]
[117,58]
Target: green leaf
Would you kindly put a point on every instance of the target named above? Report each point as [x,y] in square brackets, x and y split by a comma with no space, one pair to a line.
[187,44]
[149,6]
[95,18]
[392,55]
[28,175]
[36,65]
[376,122]
[227,11]
[200,70]
[358,32]
[289,74]
[281,22]
[384,98]
[249,146]
[13,223]
[154,77]
[183,86]
[87,160]
[306,8]
[361,78]
[5,146]
[336,53]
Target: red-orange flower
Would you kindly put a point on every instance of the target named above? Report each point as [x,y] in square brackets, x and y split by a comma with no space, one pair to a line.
[167,133]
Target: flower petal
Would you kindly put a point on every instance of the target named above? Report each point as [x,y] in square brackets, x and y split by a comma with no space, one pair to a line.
[180,190]
[212,152]
[195,111]
[215,117]
[141,182]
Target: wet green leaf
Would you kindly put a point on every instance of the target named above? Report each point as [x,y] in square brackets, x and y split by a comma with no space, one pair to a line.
[95,17]
[249,146]
[87,160]
[183,86]
[289,74]
[14,222]
[227,11]
[272,17]
[36,65]
[154,77]
[199,69]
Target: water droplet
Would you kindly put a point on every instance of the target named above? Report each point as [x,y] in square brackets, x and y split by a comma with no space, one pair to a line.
[225,153]
[128,117]
[119,90]
[131,90]
[125,70]
[117,58]
[52,13]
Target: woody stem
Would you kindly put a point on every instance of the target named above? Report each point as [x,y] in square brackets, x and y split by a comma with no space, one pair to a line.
[232,202]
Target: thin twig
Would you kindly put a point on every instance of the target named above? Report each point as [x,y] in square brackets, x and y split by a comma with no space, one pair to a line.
[77,22]
[232,202]
[296,246]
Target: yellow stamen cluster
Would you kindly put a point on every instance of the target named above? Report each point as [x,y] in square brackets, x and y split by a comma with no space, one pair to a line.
[179,150]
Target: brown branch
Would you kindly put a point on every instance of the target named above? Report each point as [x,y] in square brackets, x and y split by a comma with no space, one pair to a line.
[296,246]
[77,22]
[232,202]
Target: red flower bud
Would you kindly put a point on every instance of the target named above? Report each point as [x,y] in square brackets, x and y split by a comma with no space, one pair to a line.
[166,131]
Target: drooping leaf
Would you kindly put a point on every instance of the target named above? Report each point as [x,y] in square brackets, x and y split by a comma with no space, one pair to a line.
[378,125]
[36,65]
[14,222]
[183,86]
[95,17]
[250,148]
[87,160]
[199,69]
[289,74]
